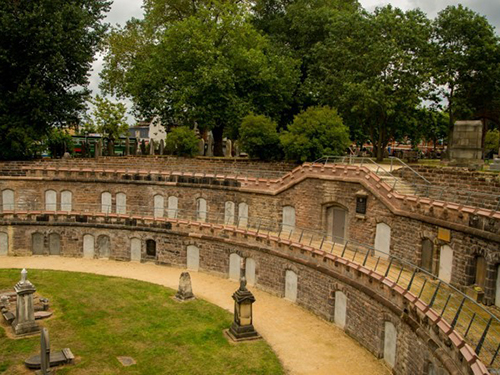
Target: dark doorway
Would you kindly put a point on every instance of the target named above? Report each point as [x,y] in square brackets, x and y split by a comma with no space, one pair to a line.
[151,248]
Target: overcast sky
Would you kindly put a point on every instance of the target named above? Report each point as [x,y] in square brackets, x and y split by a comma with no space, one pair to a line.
[123,10]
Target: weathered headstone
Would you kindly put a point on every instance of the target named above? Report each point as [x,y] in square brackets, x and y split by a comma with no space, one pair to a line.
[45,360]
[45,352]
[151,146]
[162,147]
[98,148]
[127,146]
[210,145]
[201,147]
[185,292]
[242,328]
[24,323]
[466,148]
[236,147]
[67,155]
[229,148]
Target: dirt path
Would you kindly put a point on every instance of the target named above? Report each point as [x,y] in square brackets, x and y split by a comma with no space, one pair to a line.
[304,343]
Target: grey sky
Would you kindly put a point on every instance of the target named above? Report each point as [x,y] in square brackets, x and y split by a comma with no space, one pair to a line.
[123,10]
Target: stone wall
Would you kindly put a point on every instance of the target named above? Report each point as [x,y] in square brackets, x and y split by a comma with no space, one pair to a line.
[371,300]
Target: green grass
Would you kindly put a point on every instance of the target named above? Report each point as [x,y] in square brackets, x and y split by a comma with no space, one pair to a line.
[100,318]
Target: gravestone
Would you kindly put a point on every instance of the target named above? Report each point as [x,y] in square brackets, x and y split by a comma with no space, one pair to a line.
[127,146]
[445,263]
[172,207]
[234,267]
[229,148]
[229,213]
[135,250]
[466,148]
[242,214]
[37,243]
[185,291]
[45,352]
[66,200]
[288,219]
[158,202]
[162,147]
[25,324]
[54,244]
[121,203]
[382,240]
[47,359]
[236,147]
[151,147]
[201,209]
[7,199]
[98,149]
[210,145]
[103,246]
[50,200]
[201,147]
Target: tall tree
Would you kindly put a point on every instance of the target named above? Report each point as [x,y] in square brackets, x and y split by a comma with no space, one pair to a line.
[374,69]
[467,63]
[46,49]
[210,68]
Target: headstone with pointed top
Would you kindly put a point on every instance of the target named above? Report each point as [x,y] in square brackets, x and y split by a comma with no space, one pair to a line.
[162,147]
[185,292]
[201,147]
[24,323]
[151,146]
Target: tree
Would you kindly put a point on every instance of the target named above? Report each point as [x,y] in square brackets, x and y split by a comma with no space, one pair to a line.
[109,119]
[182,142]
[46,49]
[58,142]
[259,138]
[210,68]
[315,132]
[374,68]
[492,141]
[466,64]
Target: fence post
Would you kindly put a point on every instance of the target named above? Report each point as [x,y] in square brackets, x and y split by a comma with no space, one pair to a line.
[366,257]
[470,324]
[345,247]
[455,319]
[388,268]
[411,280]
[433,299]
[422,290]
[446,304]
[483,337]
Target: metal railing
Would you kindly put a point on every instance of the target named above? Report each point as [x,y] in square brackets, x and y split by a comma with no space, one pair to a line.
[394,175]
[475,323]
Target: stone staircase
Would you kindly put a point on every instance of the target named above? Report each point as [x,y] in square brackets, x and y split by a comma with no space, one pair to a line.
[400,185]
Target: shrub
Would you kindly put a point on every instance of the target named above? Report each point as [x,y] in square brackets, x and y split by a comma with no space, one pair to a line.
[182,142]
[58,142]
[259,138]
[315,132]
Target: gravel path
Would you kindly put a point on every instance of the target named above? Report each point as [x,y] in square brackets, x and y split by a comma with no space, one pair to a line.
[304,343]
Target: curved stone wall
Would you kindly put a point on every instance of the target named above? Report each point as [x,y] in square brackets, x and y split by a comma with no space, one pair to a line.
[389,321]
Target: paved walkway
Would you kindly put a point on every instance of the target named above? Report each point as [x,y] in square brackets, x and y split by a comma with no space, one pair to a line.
[304,343]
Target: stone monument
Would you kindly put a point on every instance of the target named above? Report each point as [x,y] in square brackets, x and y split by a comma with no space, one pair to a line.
[25,324]
[185,292]
[162,147]
[45,360]
[151,146]
[242,328]
[210,145]
[229,148]
[201,147]
[466,149]
[45,352]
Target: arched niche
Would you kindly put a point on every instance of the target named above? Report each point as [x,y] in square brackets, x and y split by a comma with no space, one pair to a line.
[390,344]
[229,209]
[250,271]
[291,281]
[159,205]
[37,243]
[66,200]
[288,215]
[106,202]
[193,258]
[4,243]
[243,214]
[121,203]
[427,255]
[336,223]
[54,244]
[340,313]
[234,266]
[173,204]
[201,210]
[8,200]
[135,250]
[446,263]
[50,200]
[103,246]
[383,240]
[88,246]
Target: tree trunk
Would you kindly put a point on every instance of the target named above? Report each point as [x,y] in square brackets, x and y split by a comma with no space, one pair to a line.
[217,133]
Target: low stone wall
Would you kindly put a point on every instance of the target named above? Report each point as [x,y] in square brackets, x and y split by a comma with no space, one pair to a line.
[423,342]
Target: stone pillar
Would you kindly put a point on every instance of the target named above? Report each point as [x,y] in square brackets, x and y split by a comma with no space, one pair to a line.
[25,310]
[242,328]
[466,149]
[229,148]
[185,292]
[210,143]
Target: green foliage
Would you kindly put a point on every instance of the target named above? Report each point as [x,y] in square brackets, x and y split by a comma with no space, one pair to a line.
[182,142]
[58,142]
[46,50]
[259,138]
[109,118]
[316,132]
[210,67]
[492,140]
[467,64]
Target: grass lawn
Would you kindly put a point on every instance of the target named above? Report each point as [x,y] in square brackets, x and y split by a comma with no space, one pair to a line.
[100,318]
